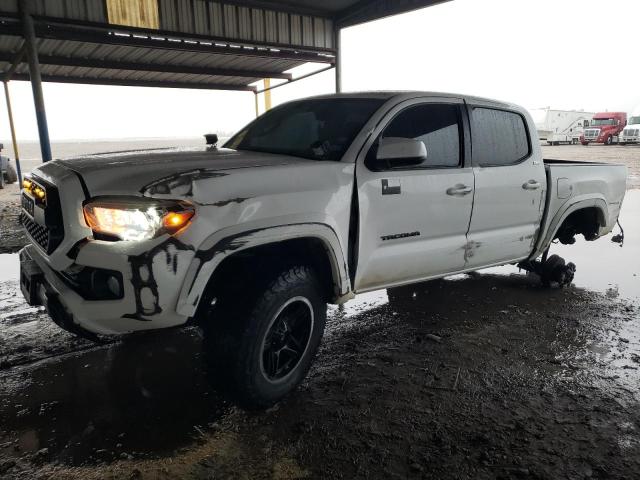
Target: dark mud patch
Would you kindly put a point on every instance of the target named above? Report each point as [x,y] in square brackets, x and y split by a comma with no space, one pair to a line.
[141,398]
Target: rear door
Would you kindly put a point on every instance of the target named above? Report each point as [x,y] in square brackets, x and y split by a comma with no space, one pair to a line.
[414,218]
[510,185]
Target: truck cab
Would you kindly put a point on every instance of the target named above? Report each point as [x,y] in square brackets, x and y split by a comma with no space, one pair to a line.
[604,128]
[631,133]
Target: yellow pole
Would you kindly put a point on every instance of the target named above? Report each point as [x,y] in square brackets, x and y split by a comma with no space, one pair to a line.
[255,97]
[13,133]
[267,94]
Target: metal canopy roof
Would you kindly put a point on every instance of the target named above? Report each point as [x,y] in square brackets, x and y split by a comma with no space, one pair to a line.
[207,44]
[193,43]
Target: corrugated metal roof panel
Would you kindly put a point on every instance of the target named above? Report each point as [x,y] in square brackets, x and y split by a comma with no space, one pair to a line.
[143,64]
[229,42]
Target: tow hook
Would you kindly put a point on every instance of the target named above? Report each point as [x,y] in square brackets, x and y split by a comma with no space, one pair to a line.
[551,270]
[619,238]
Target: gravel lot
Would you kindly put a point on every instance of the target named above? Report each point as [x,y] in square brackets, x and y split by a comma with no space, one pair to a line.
[481,376]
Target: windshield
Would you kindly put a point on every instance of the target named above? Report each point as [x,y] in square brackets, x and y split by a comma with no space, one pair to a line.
[634,121]
[602,121]
[317,129]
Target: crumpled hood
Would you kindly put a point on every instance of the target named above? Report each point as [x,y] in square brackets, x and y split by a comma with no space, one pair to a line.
[128,173]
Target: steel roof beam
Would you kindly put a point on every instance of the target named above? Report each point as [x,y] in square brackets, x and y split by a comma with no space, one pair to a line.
[61,33]
[136,37]
[148,67]
[128,82]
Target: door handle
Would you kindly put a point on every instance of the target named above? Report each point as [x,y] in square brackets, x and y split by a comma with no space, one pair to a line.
[531,185]
[459,190]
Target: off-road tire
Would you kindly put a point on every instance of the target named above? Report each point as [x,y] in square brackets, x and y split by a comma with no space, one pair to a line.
[556,271]
[11,174]
[235,336]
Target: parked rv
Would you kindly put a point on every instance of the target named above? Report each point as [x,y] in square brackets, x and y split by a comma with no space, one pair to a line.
[557,127]
[631,133]
[604,128]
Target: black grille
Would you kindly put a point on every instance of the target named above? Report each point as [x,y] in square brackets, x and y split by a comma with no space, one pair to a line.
[51,235]
[38,233]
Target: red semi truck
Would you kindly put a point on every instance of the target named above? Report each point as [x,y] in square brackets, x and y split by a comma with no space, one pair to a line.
[604,128]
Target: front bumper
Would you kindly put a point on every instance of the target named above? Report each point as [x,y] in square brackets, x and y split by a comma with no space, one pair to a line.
[38,292]
[149,290]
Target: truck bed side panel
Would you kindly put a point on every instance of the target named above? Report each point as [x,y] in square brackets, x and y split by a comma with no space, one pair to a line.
[577,185]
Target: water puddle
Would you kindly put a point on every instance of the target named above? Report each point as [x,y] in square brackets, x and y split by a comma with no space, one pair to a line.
[603,266]
[11,301]
[9,266]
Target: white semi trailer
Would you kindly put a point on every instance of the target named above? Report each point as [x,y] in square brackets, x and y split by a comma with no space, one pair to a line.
[556,127]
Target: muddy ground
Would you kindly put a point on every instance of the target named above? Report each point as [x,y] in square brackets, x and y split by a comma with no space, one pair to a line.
[480,376]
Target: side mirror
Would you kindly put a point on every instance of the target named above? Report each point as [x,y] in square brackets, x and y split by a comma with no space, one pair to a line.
[212,139]
[400,152]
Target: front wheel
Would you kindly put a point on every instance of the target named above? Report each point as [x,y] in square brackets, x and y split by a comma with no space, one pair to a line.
[609,140]
[266,348]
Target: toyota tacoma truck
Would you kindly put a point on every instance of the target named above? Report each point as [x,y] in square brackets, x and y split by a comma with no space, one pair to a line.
[313,202]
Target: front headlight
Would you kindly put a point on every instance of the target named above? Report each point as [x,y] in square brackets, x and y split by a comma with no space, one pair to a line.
[134,219]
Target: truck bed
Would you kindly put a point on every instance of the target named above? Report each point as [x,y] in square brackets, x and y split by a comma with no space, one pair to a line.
[589,184]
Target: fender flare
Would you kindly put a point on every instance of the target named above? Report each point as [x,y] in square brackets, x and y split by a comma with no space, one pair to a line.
[219,247]
[564,213]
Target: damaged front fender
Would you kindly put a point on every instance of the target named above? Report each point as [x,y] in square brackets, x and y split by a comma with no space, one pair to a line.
[220,246]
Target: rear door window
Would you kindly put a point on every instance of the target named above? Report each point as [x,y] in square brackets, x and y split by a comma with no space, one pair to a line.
[499,137]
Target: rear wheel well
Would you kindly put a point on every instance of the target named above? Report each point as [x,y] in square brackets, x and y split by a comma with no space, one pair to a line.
[248,268]
[586,221]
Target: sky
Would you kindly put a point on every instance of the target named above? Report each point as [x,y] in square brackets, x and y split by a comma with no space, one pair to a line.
[563,54]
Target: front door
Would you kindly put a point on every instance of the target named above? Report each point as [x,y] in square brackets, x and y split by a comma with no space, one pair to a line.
[414,218]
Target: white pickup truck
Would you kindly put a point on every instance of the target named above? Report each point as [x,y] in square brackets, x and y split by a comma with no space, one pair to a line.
[313,202]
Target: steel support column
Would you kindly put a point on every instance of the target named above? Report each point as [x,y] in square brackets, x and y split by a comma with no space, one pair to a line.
[338,46]
[36,80]
[13,133]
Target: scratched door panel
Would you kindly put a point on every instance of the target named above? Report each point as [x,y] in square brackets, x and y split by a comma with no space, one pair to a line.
[416,234]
